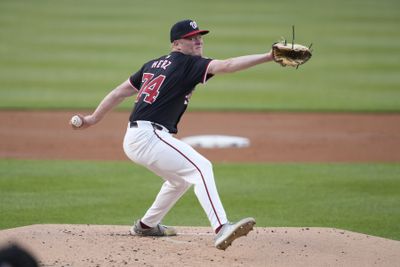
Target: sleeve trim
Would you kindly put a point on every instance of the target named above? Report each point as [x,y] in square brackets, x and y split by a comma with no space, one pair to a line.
[132,85]
[204,80]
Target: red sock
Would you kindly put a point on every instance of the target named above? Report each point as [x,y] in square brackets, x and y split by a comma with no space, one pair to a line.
[217,230]
[144,226]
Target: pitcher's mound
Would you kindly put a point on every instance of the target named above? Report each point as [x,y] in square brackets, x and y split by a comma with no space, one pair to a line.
[96,245]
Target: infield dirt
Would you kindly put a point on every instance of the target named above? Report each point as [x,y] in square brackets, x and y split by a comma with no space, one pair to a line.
[274,137]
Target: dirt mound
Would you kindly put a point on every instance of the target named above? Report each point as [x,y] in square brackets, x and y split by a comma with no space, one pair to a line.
[98,245]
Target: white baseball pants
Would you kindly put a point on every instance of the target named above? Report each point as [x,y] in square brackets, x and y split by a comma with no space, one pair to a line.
[179,165]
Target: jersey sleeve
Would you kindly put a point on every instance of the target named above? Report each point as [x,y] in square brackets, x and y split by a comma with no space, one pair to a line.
[136,79]
[198,70]
[207,75]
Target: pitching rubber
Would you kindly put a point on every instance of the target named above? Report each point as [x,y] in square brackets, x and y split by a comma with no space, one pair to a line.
[241,228]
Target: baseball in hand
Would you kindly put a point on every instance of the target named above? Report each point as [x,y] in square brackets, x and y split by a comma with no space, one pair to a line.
[76,121]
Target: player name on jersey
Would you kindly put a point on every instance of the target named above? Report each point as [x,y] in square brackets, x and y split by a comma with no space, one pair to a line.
[163,64]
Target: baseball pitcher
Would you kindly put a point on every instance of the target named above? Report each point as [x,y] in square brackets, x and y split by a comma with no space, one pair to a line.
[163,87]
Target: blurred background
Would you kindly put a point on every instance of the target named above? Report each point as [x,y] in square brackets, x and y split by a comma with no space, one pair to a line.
[68,54]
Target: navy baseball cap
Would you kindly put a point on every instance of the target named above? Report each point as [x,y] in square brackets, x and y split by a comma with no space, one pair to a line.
[185,28]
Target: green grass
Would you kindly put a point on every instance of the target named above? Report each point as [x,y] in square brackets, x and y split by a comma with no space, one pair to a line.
[69,54]
[358,197]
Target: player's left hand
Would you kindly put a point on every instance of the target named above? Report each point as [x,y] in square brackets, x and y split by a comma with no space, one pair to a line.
[293,55]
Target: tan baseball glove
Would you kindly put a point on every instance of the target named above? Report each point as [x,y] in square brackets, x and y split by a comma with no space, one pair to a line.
[288,54]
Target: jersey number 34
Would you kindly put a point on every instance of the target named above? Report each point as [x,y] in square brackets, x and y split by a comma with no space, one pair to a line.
[150,87]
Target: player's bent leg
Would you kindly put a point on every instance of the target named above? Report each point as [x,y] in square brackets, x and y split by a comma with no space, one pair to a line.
[181,161]
[167,197]
[176,161]
[206,191]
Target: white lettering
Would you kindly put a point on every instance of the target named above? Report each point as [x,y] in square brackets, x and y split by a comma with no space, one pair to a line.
[159,63]
[163,64]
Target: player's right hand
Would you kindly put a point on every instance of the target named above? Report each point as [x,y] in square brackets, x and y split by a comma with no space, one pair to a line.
[87,121]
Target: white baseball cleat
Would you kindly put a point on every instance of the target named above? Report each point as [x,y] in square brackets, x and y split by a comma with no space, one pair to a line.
[230,231]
